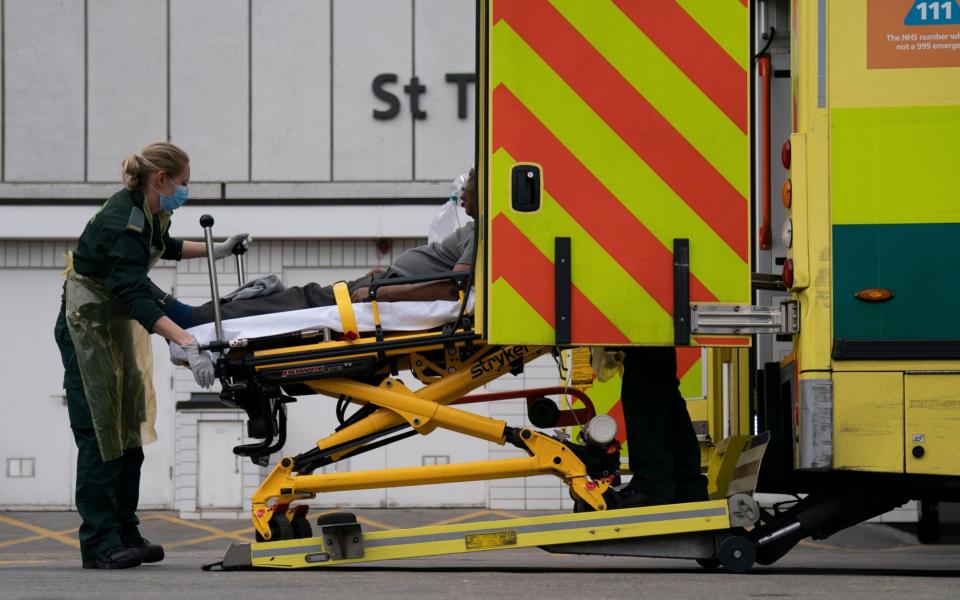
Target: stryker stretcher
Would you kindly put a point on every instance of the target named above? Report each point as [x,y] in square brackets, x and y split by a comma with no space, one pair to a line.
[356,361]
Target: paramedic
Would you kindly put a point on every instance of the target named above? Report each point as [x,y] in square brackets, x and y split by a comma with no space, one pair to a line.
[103,332]
[664,454]
[453,253]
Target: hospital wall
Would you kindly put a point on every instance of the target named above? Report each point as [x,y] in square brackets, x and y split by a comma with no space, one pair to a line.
[274,101]
[256,90]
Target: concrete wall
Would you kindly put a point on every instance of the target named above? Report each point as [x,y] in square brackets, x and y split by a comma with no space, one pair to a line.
[254,90]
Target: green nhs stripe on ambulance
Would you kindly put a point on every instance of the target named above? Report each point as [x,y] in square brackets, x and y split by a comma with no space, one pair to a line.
[895,204]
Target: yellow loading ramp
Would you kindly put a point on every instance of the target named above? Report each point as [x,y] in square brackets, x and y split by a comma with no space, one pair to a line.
[712,532]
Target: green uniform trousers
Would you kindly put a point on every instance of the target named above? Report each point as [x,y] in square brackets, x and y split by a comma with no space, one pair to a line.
[107,492]
[664,453]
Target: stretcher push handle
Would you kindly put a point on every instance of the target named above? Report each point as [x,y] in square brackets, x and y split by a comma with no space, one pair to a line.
[206,221]
[239,250]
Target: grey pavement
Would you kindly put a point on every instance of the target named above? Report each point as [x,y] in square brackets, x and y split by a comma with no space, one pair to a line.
[868,561]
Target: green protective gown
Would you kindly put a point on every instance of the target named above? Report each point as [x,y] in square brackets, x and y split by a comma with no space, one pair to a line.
[109,313]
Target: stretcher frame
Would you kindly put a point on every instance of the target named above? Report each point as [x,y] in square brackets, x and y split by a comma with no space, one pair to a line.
[260,376]
[707,531]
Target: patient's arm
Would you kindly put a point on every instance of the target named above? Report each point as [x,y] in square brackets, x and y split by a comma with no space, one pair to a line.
[431,290]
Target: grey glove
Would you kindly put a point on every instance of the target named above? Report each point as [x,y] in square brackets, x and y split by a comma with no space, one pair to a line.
[200,363]
[225,248]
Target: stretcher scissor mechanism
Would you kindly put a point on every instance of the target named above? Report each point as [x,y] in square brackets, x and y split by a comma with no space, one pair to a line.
[362,372]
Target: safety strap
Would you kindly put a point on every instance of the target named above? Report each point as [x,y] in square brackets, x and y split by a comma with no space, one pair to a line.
[347,319]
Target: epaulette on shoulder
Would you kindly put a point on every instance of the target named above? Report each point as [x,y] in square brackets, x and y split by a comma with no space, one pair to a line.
[136,220]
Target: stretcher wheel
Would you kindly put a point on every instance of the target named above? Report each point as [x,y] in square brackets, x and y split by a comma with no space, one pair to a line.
[737,553]
[280,529]
[301,527]
[708,563]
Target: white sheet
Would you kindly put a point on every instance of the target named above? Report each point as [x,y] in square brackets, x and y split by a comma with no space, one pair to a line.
[394,316]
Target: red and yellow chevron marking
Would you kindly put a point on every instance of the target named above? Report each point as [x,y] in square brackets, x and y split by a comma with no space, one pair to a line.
[636,112]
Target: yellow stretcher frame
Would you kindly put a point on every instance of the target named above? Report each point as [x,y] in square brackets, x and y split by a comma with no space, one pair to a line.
[501,535]
[449,365]
[424,410]
[670,530]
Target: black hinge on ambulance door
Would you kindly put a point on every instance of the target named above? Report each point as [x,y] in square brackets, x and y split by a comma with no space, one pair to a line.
[525,187]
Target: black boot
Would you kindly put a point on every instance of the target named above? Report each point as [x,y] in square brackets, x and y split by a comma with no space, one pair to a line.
[117,557]
[631,497]
[149,553]
[691,489]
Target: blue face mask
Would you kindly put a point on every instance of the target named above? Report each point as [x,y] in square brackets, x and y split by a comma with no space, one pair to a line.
[175,201]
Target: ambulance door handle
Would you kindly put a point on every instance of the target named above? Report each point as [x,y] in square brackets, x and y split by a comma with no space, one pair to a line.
[525,188]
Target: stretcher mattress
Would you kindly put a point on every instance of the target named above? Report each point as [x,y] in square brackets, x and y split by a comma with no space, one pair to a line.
[394,316]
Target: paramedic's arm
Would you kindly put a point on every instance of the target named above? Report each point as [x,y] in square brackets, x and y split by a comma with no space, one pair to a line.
[193,249]
[171,332]
[220,249]
[433,290]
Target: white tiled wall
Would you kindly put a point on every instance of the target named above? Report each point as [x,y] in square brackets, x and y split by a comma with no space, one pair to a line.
[185,471]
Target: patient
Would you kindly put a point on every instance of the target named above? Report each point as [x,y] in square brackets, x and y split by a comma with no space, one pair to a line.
[453,253]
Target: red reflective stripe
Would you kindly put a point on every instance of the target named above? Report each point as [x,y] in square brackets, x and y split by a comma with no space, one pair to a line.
[530,273]
[588,202]
[686,359]
[616,411]
[629,114]
[697,54]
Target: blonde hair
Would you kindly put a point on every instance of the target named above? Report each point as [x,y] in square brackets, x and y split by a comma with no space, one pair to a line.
[159,156]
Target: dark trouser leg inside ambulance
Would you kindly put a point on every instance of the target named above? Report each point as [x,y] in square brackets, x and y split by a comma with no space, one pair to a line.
[664,453]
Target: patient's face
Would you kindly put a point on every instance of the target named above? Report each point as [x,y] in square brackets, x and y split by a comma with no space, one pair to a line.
[470,202]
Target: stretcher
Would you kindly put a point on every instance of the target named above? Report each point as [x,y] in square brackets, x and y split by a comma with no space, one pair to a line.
[360,370]
[394,316]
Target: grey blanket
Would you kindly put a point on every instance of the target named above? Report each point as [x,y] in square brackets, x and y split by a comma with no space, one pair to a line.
[261,286]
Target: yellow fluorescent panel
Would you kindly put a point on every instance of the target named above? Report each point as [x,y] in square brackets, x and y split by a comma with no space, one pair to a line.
[868,421]
[514,314]
[615,164]
[933,424]
[598,276]
[665,86]
[724,21]
[877,155]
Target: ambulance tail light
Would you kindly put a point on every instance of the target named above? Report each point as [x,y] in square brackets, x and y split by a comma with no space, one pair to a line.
[788,273]
[786,194]
[785,154]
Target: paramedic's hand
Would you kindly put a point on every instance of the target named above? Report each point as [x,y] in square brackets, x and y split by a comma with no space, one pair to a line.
[225,248]
[200,363]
